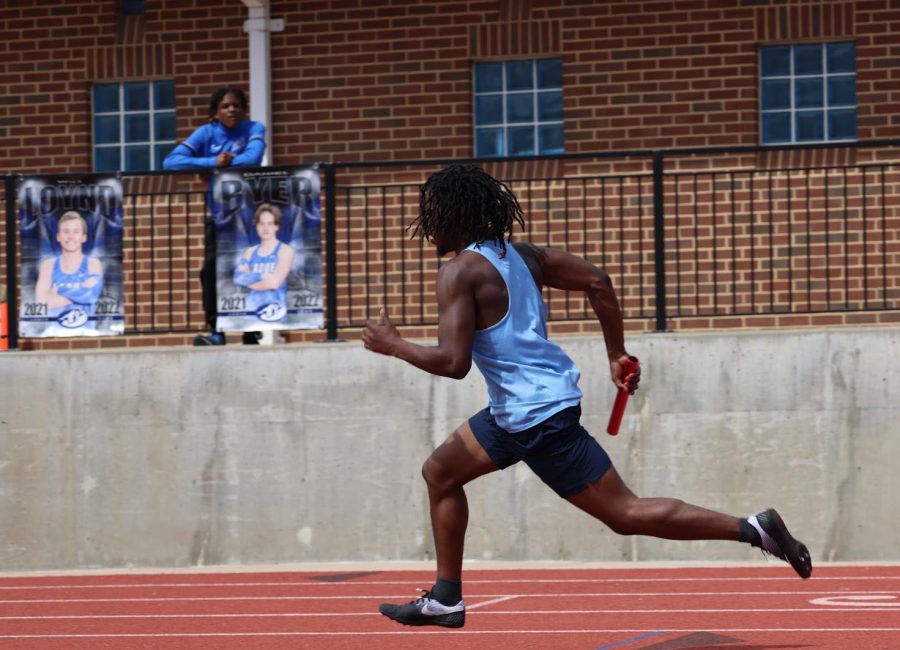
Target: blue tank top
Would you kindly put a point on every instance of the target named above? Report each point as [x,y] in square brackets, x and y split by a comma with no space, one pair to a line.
[265,264]
[69,286]
[529,378]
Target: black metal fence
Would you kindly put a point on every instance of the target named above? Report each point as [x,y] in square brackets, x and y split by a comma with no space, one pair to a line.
[705,233]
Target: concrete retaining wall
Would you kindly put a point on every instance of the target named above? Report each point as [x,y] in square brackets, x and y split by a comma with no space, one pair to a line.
[186,457]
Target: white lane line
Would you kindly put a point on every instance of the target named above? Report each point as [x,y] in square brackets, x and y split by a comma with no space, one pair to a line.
[420,632]
[868,601]
[484,603]
[602,594]
[579,612]
[315,583]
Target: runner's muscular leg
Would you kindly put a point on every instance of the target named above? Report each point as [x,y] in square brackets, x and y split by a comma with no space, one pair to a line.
[609,500]
[458,460]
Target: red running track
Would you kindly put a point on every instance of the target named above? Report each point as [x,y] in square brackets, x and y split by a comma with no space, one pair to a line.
[841,607]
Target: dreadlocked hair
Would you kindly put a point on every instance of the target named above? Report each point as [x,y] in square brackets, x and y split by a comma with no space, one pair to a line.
[466,203]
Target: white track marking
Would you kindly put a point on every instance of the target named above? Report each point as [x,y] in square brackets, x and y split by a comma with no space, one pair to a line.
[316,583]
[420,632]
[485,603]
[579,612]
[863,600]
[605,594]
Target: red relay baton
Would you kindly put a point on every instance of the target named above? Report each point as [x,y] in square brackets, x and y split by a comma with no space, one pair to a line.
[615,418]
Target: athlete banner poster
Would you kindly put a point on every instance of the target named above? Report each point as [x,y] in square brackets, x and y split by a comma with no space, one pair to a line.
[71,275]
[268,249]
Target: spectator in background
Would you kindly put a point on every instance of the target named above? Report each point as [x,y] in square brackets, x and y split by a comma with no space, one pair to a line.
[229,139]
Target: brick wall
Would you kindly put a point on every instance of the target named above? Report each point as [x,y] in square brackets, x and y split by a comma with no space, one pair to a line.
[369,80]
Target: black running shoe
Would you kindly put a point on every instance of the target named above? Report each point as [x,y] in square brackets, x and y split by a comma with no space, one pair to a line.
[777,541]
[251,338]
[426,611]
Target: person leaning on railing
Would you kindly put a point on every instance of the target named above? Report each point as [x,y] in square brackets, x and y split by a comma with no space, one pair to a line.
[229,139]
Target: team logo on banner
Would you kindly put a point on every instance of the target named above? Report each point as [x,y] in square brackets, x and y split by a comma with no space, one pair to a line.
[269,249]
[71,230]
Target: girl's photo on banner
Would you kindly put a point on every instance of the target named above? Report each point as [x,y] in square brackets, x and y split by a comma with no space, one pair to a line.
[71,276]
[269,257]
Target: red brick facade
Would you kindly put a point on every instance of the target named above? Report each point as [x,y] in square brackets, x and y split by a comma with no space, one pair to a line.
[372,80]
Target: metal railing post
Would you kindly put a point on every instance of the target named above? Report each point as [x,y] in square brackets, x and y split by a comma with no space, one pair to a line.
[659,245]
[12,302]
[330,253]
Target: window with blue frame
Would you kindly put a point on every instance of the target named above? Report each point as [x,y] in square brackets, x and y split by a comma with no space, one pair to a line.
[134,125]
[518,108]
[807,93]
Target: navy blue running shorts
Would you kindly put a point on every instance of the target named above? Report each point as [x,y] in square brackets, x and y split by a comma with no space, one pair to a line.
[559,450]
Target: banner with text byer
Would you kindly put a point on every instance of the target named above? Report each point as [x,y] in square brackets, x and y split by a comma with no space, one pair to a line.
[269,257]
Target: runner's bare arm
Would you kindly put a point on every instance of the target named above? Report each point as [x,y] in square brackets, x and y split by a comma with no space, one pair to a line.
[452,356]
[562,270]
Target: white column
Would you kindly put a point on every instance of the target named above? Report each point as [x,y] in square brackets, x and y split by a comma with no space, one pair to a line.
[257,26]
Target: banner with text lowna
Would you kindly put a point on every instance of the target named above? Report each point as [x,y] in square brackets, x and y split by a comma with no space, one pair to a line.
[71,274]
